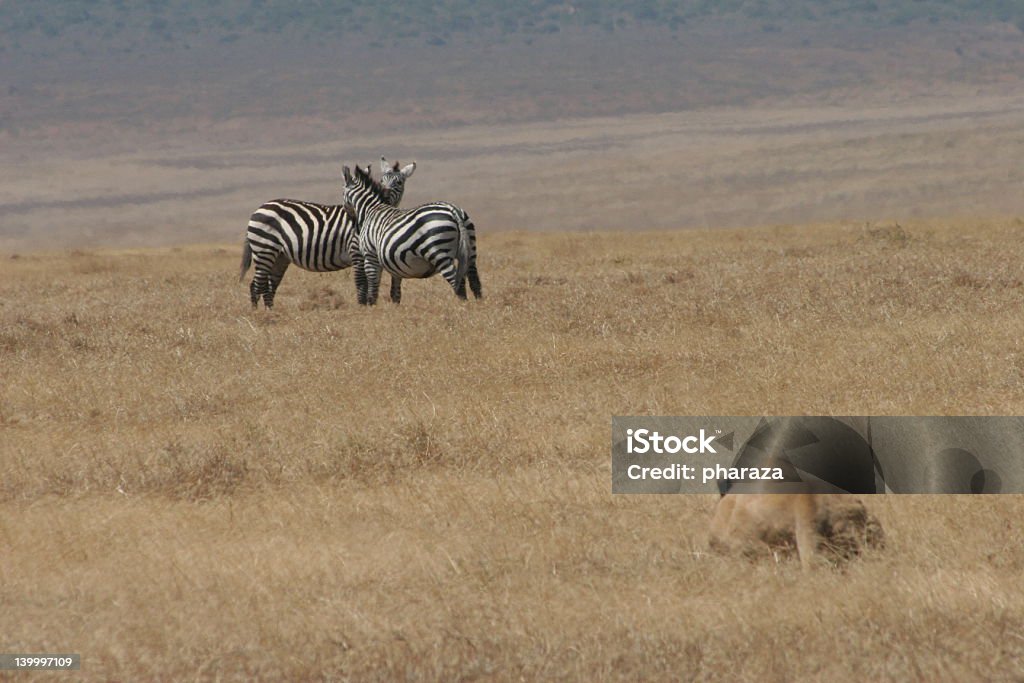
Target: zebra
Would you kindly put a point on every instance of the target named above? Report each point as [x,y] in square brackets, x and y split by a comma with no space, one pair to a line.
[408,243]
[317,237]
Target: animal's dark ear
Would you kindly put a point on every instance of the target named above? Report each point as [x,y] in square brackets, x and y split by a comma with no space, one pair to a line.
[395,167]
[348,175]
[369,171]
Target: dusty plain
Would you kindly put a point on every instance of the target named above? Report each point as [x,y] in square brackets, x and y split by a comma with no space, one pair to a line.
[194,489]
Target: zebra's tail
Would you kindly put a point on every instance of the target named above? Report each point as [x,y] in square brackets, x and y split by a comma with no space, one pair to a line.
[246,259]
[460,272]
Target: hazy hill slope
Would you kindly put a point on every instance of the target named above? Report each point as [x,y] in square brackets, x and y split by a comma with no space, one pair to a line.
[840,113]
[91,73]
[715,168]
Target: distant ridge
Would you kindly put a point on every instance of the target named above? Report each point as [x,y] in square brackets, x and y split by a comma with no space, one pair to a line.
[432,23]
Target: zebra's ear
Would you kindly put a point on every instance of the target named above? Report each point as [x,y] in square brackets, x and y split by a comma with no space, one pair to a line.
[408,170]
[348,175]
[369,170]
[383,164]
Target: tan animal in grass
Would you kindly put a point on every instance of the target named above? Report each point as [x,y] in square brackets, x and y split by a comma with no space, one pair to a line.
[831,525]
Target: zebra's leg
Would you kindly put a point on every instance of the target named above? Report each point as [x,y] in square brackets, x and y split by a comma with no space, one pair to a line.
[396,289]
[265,260]
[254,290]
[359,275]
[280,266]
[372,267]
[258,285]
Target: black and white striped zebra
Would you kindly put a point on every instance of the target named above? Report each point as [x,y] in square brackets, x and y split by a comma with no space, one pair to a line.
[408,243]
[317,237]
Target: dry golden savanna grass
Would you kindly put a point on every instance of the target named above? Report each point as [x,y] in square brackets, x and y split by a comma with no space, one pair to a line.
[192,489]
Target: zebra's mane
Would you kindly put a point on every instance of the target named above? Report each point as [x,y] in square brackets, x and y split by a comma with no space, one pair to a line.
[367,181]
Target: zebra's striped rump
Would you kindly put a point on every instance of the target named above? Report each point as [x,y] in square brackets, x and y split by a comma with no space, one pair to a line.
[416,250]
[317,237]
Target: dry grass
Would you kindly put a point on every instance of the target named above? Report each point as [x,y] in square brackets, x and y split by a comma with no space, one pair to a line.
[194,490]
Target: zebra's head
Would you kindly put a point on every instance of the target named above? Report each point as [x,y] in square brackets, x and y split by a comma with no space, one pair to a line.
[392,179]
[362,191]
